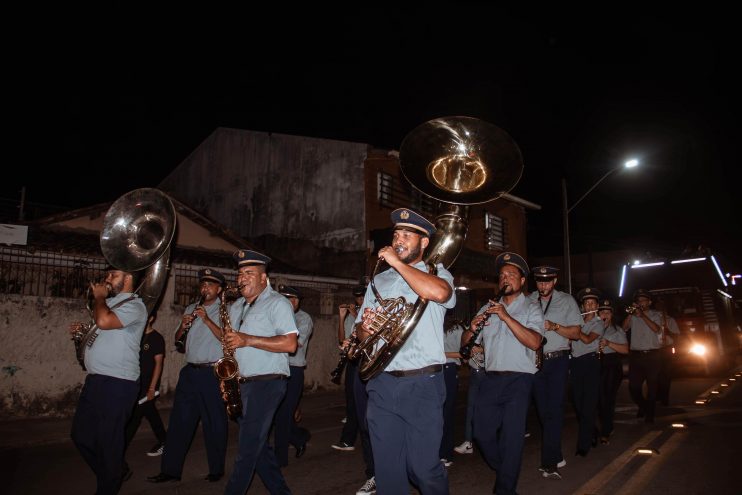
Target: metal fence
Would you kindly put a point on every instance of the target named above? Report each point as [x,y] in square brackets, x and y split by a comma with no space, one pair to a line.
[33,273]
[48,274]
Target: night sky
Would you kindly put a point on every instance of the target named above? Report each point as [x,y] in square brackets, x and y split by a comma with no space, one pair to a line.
[580,92]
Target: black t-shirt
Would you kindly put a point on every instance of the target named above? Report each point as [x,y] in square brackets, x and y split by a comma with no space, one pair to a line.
[152,345]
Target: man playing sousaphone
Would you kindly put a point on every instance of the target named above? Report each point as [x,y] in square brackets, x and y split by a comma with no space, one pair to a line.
[411,390]
[111,387]
[512,332]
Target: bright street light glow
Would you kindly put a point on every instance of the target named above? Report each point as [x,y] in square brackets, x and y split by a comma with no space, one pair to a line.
[659,263]
[719,271]
[689,260]
[623,279]
[698,349]
[631,163]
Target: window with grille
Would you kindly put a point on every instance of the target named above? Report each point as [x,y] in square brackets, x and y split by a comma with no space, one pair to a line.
[494,232]
[395,193]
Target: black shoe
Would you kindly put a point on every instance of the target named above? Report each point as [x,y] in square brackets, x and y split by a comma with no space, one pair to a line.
[300,450]
[581,453]
[213,477]
[162,477]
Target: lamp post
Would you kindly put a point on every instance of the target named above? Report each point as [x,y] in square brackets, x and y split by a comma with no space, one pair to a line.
[566,209]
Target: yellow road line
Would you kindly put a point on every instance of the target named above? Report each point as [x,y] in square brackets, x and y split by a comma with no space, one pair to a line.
[596,482]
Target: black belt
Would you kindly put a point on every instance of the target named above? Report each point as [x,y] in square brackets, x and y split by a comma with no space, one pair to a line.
[500,373]
[646,351]
[589,354]
[433,368]
[448,365]
[260,378]
[201,365]
[555,354]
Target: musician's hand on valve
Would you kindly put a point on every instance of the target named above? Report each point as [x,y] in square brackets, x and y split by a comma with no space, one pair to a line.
[476,321]
[364,327]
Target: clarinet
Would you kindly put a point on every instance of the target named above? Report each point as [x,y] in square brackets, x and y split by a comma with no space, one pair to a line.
[345,354]
[465,350]
[180,344]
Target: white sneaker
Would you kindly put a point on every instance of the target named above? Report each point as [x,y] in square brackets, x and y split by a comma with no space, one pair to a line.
[368,488]
[446,462]
[342,446]
[465,448]
[561,463]
[344,420]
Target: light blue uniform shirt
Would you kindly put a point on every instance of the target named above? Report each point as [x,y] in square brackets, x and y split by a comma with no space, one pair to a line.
[424,346]
[116,352]
[452,342]
[271,314]
[615,335]
[642,337]
[671,327]
[563,309]
[305,325]
[201,345]
[504,352]
[579,348]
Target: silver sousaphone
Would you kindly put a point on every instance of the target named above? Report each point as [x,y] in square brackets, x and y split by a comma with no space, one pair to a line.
[459,161]
[136,235]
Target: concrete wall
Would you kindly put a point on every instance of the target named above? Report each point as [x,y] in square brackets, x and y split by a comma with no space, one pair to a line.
[40,376]
[260,184]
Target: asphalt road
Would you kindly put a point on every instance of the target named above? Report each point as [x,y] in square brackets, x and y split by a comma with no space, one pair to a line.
[36,456]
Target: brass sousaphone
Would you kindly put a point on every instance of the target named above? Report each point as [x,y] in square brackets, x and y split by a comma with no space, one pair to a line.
[458,161]
[136,235]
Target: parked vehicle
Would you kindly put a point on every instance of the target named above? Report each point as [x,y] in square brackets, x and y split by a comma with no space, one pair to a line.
[693,291]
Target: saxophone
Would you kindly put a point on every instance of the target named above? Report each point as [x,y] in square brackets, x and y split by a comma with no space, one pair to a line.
[226,369]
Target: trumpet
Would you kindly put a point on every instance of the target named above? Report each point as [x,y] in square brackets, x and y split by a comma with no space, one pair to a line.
[181,342]
[632,308]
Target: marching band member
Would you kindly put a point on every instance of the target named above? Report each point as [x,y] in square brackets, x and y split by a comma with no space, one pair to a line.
[645,359]
[287,431]
[510,338]
[264,335]
[197,396]
[584,375]
[411,390]
[562,321]
[613,344]
[110,391]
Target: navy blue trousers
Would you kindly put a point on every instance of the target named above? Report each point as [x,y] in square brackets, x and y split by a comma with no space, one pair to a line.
[99,427]
[475,380]
[260,401]
[286,431]
[197,398]
[644,367]
[450,376]
[500,425]
[360,397]
[405,421]
[350,428]
[611,374]
[549,387]
[584,376]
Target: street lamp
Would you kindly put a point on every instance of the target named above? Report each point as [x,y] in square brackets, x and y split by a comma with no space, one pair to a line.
[566,209]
